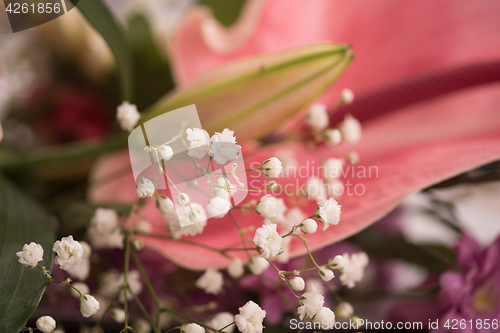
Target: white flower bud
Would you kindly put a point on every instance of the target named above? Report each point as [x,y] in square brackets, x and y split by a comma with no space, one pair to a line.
[329,213]
[218,207]
[272,167]
[145,188]
[317,118]
[127,116]
[272,186]
[309,226]
[297,283]
[165,152]
[333,136]
[325,274]
[192,328]
[344,310]
[88,305]
[138,245]
[118,315]
[31,254]
[143,227]
[257,264]
[346,96]
[326,318]
[336,262]
[141,326]
[46,324]
[165,205]
[69,253]
[353,157]
[350,129]
[183,199]
[83,288]
[267,206]
[211,281]
[236,268]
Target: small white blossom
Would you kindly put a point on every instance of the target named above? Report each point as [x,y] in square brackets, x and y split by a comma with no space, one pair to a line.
[325,274]
[353,270]
[326,318]
[280,212]
[267,206]
[166,206]
[199,142]
[127,116]
[103,231]
[165,152]
[183,199]
[221,320]
[223,147]
[112,281]
[143,227]
[88,305]
[328,213]
[347,96]
[257,264]
[350,129]
[344,310]
[182,223]
[118,315]
[334,188]
[81,272]
[336,262]
[141,326]
[69,252]
[236,268]
[211,281]
[192,328]
[297,283]
[83,288]
[333,136]
[311,303]
[272,167]
[268,239]
[314,188]
[332,168]
[145,188]
[218,207]
[317,118]
[309,226]
[250,318]
[31,254]
[46,324]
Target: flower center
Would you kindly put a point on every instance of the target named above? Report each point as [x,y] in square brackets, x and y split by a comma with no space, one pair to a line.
[486,299]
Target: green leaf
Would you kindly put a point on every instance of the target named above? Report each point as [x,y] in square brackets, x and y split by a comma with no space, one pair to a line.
[21,221]
[226,12]
[103,21]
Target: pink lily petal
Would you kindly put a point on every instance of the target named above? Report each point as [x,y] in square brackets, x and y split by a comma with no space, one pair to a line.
[391,39]
[412,149]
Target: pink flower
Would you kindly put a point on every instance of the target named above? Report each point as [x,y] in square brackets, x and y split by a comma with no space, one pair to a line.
[411,59]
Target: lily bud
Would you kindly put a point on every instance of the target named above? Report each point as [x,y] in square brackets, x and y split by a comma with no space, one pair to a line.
[274,87]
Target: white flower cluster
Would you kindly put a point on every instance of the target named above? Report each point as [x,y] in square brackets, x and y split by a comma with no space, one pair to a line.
[180,220]
[104,231]
[69,253]
[250,318]
[127,116]
[353,268]
[112,281]
[221,147]
[211,281]
[31,254]
[268,239]
[330,186]
[328,213]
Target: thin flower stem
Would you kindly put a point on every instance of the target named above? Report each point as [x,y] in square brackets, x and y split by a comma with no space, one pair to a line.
[125,278]
[221,329]
[244,238]
[98,323]
[144,311]
[307,248]
[283,278]
[178,314]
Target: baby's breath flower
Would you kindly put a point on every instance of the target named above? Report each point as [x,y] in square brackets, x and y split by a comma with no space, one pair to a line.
[46,324]
[211,281]
[280,213]
[325,274]
[333,136]
[221,320]
[317,118]
[31,254]
[165,152]
[344,310]
[192,328]
[336,262]
[165,205]
[268,239]
[353,269]
[81,272]
[272,186]
[69,252]
[118,315]
[350,129]
[325,317]
[223,147]
[347,96]
[272,167]
[267,206]
[199,142]
[143,227]
[328,213]
[332,168]
[297,283]
[236,268]
[250,318]
[183,199]
[104,232]
[218,207]
[309,226]
[145,188]
[112,281]
[88,305]
[311,302]
[257,264]
[127,116]
[141,326]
